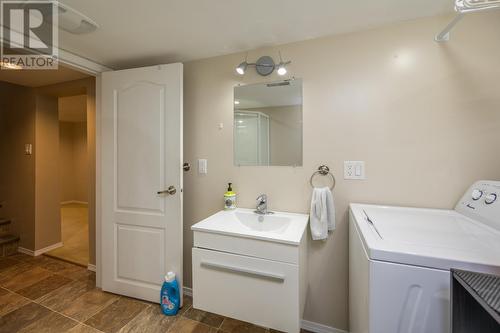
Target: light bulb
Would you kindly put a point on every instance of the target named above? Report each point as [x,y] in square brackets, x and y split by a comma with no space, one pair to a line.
[242,68]
[281,69]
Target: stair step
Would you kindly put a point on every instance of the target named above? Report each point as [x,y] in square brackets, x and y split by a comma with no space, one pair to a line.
[8,238]
[8,245]
[4,227]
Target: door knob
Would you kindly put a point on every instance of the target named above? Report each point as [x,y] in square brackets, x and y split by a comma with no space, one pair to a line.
[170,190]
[186,166]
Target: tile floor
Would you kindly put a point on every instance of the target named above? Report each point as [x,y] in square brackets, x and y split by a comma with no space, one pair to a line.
[75,234]
[46,295]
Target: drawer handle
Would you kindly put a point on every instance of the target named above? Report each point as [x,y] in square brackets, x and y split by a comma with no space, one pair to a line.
[261,274]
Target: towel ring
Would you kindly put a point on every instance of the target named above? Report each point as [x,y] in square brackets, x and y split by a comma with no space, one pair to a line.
[324,171]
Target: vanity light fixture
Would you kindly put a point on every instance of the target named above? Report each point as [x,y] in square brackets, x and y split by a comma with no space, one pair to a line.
[281,70]
[241,69]
[281,67]
[264,66]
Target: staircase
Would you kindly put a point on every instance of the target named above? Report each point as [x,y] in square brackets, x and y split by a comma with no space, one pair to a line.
[8,242]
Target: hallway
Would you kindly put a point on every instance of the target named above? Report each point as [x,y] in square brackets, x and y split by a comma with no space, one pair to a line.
[75,234]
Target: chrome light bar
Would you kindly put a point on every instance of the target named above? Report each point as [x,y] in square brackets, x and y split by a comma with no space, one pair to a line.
[463,7]
[468,6]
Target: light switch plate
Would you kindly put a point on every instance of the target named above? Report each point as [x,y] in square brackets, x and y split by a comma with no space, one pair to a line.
[28,149]
[202,166]
[354,170]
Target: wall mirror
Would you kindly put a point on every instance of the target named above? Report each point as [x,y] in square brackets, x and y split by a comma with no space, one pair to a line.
[268,124]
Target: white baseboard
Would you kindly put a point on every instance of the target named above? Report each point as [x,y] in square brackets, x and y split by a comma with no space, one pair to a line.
[319,328]
[26,251]
[74,202]
[307,325]
[91,267]
[188,291]
[41,251]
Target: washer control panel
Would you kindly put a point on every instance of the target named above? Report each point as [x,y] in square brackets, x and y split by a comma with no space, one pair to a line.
[481,202]
[476,194]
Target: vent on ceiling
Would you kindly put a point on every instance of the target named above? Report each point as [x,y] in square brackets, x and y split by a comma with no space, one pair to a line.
[278,84]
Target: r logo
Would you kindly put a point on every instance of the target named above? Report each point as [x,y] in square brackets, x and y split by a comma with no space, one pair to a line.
[28,28]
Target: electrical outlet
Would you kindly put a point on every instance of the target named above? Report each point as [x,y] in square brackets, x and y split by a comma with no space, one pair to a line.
[354,170]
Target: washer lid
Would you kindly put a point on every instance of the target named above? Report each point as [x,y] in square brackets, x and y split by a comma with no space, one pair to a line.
[434,238]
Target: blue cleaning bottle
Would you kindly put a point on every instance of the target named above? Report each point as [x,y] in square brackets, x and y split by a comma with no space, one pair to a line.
[170,299]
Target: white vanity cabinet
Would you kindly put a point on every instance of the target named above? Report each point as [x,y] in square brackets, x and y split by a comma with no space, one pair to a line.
[257,276]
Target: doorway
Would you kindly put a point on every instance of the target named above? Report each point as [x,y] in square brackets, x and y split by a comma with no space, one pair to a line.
[41,112]
[74,183]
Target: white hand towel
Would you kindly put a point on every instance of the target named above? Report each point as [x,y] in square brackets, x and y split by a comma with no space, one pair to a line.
[322,217]
[330,205]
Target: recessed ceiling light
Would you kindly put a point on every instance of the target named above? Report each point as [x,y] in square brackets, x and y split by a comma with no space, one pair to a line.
[75,22]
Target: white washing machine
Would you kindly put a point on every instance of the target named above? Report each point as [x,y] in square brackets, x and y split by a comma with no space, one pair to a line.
[400,260]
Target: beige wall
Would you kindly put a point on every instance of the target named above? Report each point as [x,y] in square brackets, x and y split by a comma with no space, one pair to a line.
[73,161]
[83,87]
[29,181]
[424,116]
[47,203]
[66,160]
[17,170]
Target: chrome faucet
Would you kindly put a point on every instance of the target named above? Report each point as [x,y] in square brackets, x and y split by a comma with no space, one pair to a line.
[261,207]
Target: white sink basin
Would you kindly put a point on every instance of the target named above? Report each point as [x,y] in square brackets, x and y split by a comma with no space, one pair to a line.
[268,223]
[277,227]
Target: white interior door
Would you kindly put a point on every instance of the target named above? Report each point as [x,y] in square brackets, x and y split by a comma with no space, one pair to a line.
[141,223]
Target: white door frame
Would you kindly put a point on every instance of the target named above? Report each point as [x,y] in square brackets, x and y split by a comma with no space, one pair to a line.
[95,69]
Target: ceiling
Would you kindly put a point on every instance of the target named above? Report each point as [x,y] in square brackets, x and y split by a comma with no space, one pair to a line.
[135,33]
[39,78]
[73,108]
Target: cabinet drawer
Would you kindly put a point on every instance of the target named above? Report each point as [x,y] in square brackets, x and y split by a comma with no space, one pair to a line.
[259,291]
[247,247]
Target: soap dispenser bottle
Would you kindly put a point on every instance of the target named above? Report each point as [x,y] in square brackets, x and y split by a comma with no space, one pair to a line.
[229,198]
